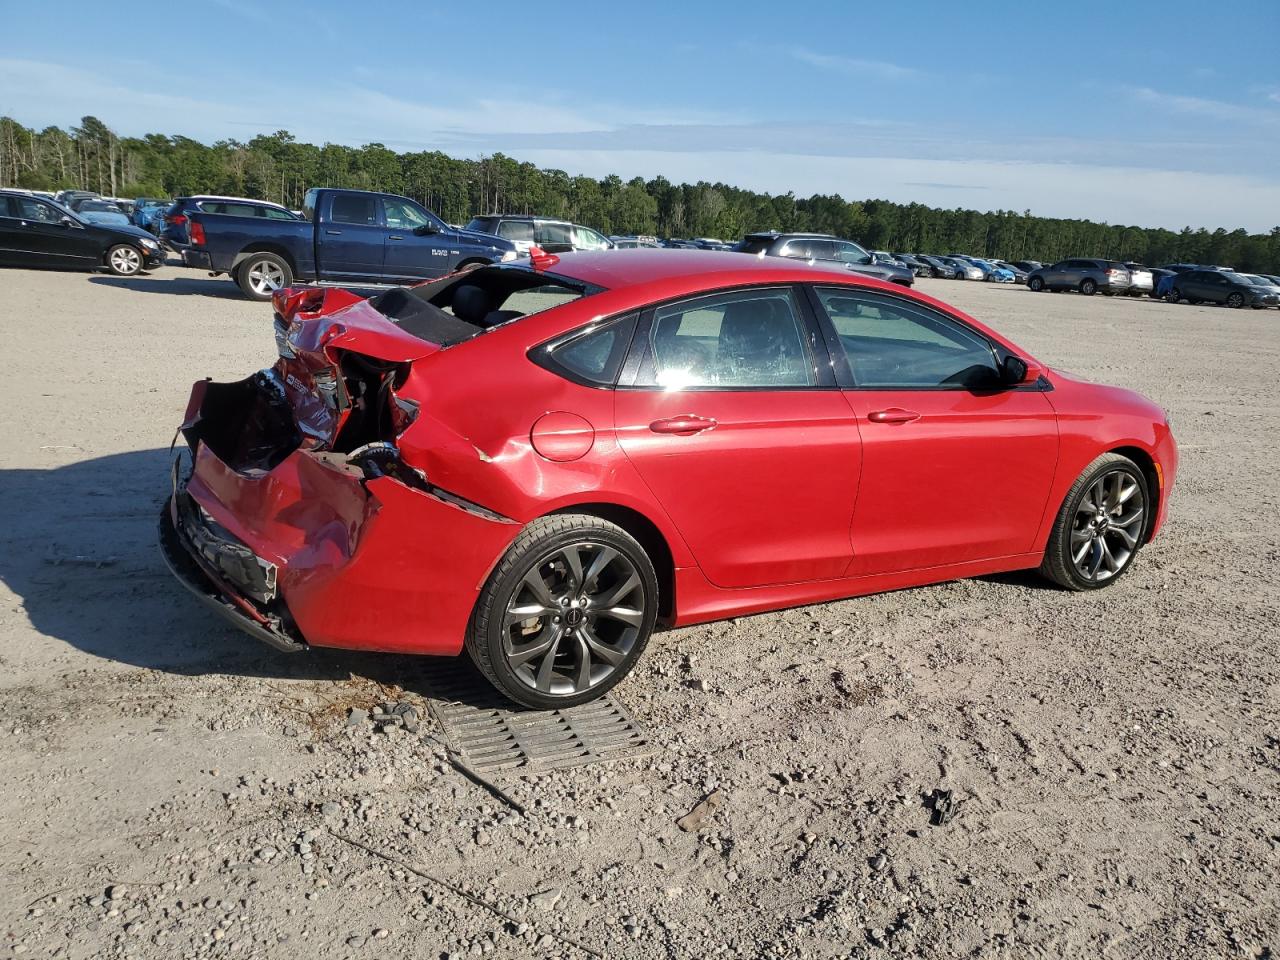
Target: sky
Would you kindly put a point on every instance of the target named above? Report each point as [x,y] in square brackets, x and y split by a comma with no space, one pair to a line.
[1142,113]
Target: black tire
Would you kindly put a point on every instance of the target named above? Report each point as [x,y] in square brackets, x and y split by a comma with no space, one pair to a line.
[1173,296]
[125,260]
[1235,301]
[1088,287]
[539,553]
[1060,563]
[1036,284]
[473,265]
[259,275]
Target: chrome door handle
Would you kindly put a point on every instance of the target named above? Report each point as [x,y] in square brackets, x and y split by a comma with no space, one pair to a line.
[683,426]
[334,233]
[893,415]
[395,238]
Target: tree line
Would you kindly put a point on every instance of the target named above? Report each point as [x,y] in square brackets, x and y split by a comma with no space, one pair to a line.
[278,167]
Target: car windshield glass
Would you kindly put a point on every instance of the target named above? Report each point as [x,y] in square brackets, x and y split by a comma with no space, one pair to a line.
[755,244]
[460,306]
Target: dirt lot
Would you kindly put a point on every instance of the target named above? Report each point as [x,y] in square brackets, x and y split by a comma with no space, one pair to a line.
[172,789]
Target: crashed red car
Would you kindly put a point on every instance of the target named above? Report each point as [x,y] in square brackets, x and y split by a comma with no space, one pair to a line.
[542,461]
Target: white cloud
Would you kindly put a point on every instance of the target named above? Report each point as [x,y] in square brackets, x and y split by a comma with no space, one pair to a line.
[1202,107]
[879,69]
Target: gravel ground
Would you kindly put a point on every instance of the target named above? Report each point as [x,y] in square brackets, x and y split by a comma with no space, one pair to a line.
[172,789]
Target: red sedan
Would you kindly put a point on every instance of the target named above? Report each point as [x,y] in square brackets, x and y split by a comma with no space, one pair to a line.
[540,462]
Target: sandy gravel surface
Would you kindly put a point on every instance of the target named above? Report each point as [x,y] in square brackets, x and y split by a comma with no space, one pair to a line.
[172,789]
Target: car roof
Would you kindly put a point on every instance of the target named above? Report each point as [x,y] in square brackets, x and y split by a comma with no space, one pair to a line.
[213,196]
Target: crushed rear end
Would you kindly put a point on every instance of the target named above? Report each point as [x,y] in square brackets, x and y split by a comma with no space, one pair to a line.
[293,512]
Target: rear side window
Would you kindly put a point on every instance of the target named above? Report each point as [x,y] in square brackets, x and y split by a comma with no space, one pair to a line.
[552,233]
[755,244]
[354,208]
[896,344]
[271,213]
[592,357]
[519,230]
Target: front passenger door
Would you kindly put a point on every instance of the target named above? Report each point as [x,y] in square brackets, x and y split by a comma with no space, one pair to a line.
[955,467]
[410,255]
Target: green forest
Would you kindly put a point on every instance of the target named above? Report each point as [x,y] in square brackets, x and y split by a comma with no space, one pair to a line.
[277,167]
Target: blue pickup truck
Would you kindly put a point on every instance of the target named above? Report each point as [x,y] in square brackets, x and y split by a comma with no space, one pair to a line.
[347,237]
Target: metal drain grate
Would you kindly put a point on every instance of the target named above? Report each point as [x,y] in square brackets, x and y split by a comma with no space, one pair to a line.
[495,737]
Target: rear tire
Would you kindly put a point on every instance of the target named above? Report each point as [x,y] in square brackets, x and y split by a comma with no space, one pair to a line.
[1088,287]
[262,274]
[1100,527]
[566,613]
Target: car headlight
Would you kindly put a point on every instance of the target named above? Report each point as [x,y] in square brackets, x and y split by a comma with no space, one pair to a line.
[508,256]
[149,244]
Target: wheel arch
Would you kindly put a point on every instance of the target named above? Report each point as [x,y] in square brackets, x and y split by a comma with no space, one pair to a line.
[1147,464]
[649,537]
[265,247]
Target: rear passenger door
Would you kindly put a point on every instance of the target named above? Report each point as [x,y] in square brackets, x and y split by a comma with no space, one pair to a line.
[733,419]
[350,237]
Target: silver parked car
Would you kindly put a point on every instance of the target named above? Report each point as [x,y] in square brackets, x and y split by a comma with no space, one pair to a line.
[1085,274]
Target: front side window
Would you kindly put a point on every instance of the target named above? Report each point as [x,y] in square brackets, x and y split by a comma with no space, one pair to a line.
[584,238]
[895,344]
[403,215]
[747,338]
[29,209]
[849,252]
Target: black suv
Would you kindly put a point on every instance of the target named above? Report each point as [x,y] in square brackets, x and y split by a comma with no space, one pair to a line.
[551,235]
[1221,286]
[826,249]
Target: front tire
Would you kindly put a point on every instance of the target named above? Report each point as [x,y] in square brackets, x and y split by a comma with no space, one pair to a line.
[124,260]
[1101,525]
[1235,301]
[566,614]
[1035,284]
[262,274]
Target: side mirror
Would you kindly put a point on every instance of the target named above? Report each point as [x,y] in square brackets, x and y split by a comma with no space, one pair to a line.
[425,230]
[1017,372]
[66,222]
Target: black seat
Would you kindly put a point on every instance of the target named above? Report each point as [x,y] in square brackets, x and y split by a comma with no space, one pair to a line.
[472,304]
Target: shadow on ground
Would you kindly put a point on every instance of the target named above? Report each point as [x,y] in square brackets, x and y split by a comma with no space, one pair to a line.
[181,286]
[78,547]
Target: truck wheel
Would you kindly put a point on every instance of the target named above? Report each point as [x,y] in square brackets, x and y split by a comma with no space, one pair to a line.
[262,274]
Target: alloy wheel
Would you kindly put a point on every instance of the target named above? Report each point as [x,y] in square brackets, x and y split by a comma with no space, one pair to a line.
[573,619]
[265,277]
[125,260]
[1108,525]
[1235,301]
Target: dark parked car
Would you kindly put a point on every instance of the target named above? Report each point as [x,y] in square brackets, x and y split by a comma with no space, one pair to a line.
[1221,286]
[939,267]
[1085,274]
[824,248]
[68,198]
[635,243]
[1026,266]
[176,218]
[549,234]
[346,237]
[913,263]
[37,233]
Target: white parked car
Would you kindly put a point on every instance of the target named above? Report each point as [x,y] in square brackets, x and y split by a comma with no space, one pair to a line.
[1141,282]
